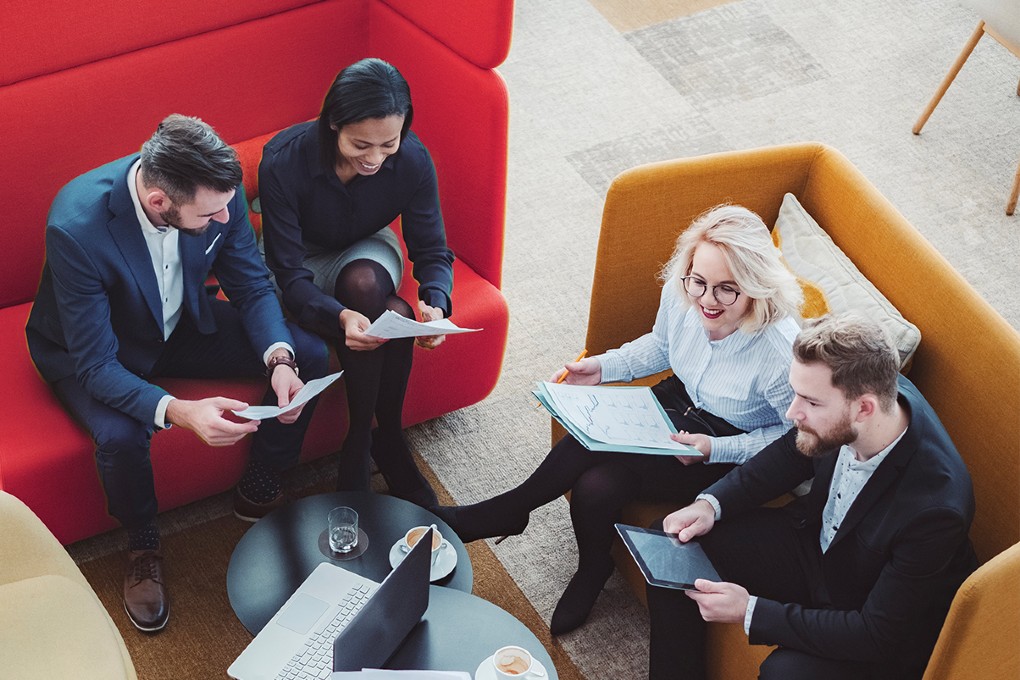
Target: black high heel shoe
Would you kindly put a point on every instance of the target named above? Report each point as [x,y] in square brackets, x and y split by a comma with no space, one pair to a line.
[471,528]
[578,599]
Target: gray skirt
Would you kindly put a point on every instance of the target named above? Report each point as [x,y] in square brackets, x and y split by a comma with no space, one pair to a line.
[325,265]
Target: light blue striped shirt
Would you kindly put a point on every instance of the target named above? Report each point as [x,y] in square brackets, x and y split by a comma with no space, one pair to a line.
[743,378]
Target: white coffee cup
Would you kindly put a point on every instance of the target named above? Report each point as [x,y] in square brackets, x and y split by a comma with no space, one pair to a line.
[414,534]
[515,662]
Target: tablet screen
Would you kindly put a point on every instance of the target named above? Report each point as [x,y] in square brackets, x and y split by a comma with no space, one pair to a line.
[664,560]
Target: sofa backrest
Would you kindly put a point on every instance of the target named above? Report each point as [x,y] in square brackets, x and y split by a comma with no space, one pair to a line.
[968,362]
[85,83]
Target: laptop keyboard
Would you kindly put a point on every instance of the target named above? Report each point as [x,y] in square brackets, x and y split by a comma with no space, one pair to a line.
[315,660]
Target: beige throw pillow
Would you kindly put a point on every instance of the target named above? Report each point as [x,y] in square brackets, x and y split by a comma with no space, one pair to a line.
[830,280]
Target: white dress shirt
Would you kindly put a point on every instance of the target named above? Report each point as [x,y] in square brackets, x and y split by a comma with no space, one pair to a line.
[165,253]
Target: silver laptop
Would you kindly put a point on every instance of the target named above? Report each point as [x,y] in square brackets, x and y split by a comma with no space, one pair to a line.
[333,607]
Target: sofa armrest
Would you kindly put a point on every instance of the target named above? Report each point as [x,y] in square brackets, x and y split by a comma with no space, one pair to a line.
[978,639]
[52,624]
[31,549]
[52,627]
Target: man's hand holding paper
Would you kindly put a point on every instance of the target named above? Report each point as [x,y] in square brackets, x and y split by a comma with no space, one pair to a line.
[311,389]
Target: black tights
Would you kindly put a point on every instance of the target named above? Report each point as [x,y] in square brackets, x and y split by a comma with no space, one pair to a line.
[601,484]
[375,381]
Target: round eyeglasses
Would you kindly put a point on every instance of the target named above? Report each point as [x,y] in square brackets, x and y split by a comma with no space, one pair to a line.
[724,293]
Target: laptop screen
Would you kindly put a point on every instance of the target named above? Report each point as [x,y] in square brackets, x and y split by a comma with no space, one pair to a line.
[390,614]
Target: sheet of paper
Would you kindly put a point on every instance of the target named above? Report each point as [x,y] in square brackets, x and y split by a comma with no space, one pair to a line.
[311,389]
[618,416]
[392,325]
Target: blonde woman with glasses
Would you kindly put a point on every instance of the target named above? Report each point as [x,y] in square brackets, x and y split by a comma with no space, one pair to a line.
[726,323]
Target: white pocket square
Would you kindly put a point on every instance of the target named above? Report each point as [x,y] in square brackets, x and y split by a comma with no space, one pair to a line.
[207,250]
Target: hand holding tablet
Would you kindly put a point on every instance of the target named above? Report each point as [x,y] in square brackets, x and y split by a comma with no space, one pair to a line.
[665,561]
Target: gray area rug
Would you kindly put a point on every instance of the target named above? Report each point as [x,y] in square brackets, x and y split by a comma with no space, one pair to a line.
[588,102]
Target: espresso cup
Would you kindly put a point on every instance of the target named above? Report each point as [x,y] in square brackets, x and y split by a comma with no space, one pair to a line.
[515,662]
[414,535]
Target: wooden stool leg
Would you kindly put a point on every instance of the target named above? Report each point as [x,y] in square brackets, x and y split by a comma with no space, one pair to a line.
[1011,206]
[948,80]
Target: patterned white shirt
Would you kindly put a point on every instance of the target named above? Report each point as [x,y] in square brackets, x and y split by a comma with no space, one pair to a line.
[743,378]
[848,479]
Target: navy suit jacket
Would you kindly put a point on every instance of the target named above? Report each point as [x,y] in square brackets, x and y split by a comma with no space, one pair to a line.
[898,557]
[98,315]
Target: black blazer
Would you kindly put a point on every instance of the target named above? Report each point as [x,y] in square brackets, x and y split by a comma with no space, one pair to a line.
[896,561]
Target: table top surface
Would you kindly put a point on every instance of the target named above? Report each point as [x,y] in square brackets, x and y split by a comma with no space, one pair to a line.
[279,551]
[459,631]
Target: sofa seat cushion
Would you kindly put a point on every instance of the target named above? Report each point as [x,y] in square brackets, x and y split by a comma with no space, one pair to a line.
[52,627]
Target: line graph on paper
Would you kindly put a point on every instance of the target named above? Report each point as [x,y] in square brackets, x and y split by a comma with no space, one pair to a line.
[627,416]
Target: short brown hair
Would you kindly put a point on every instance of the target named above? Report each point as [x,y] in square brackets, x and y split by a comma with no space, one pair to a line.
[858,352]
[185,153]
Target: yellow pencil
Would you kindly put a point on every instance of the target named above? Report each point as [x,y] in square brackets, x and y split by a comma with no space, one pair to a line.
[580,356]
[563,377]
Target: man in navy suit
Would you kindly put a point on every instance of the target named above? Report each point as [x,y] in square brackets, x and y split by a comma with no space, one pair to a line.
[122,301]
[854,579]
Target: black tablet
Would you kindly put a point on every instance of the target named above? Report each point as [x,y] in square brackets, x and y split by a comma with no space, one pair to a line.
[664,560]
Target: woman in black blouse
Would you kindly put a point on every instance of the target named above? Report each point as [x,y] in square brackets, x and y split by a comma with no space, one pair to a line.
[329,189]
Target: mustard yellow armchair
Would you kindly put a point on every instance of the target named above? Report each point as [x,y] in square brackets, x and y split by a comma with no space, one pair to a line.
[967,365]
[52,625]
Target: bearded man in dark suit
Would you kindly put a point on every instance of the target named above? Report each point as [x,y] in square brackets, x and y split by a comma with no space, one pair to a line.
[855,579]
[123,300]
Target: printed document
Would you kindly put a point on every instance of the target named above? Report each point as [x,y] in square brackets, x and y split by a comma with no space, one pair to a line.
[392,325]
[611,418]
[311,389]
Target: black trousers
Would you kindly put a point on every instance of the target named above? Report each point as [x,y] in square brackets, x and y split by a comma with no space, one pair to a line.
[122,443]
[767,553]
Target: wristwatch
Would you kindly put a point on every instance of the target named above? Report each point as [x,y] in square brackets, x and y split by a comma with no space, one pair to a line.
[280,361]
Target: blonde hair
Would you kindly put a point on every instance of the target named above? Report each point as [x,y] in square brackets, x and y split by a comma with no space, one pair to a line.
[753,259]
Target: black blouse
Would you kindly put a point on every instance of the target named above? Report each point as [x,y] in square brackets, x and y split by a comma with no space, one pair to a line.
[304,202]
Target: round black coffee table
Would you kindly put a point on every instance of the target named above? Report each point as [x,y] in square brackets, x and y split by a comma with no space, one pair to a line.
[459,631]
[279,551]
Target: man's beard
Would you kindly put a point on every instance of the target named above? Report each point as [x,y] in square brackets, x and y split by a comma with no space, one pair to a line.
[812,444]
[172,218]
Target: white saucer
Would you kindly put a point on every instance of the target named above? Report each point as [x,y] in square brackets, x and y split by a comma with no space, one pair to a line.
[485,671]
[445,563]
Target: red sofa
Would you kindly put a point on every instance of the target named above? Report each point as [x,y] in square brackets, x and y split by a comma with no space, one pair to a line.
[85,83]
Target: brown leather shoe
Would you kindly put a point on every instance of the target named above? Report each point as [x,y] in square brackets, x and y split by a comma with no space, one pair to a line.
[145,598]
[250,511]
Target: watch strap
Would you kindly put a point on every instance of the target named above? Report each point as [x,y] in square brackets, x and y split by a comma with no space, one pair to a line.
[280,361]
